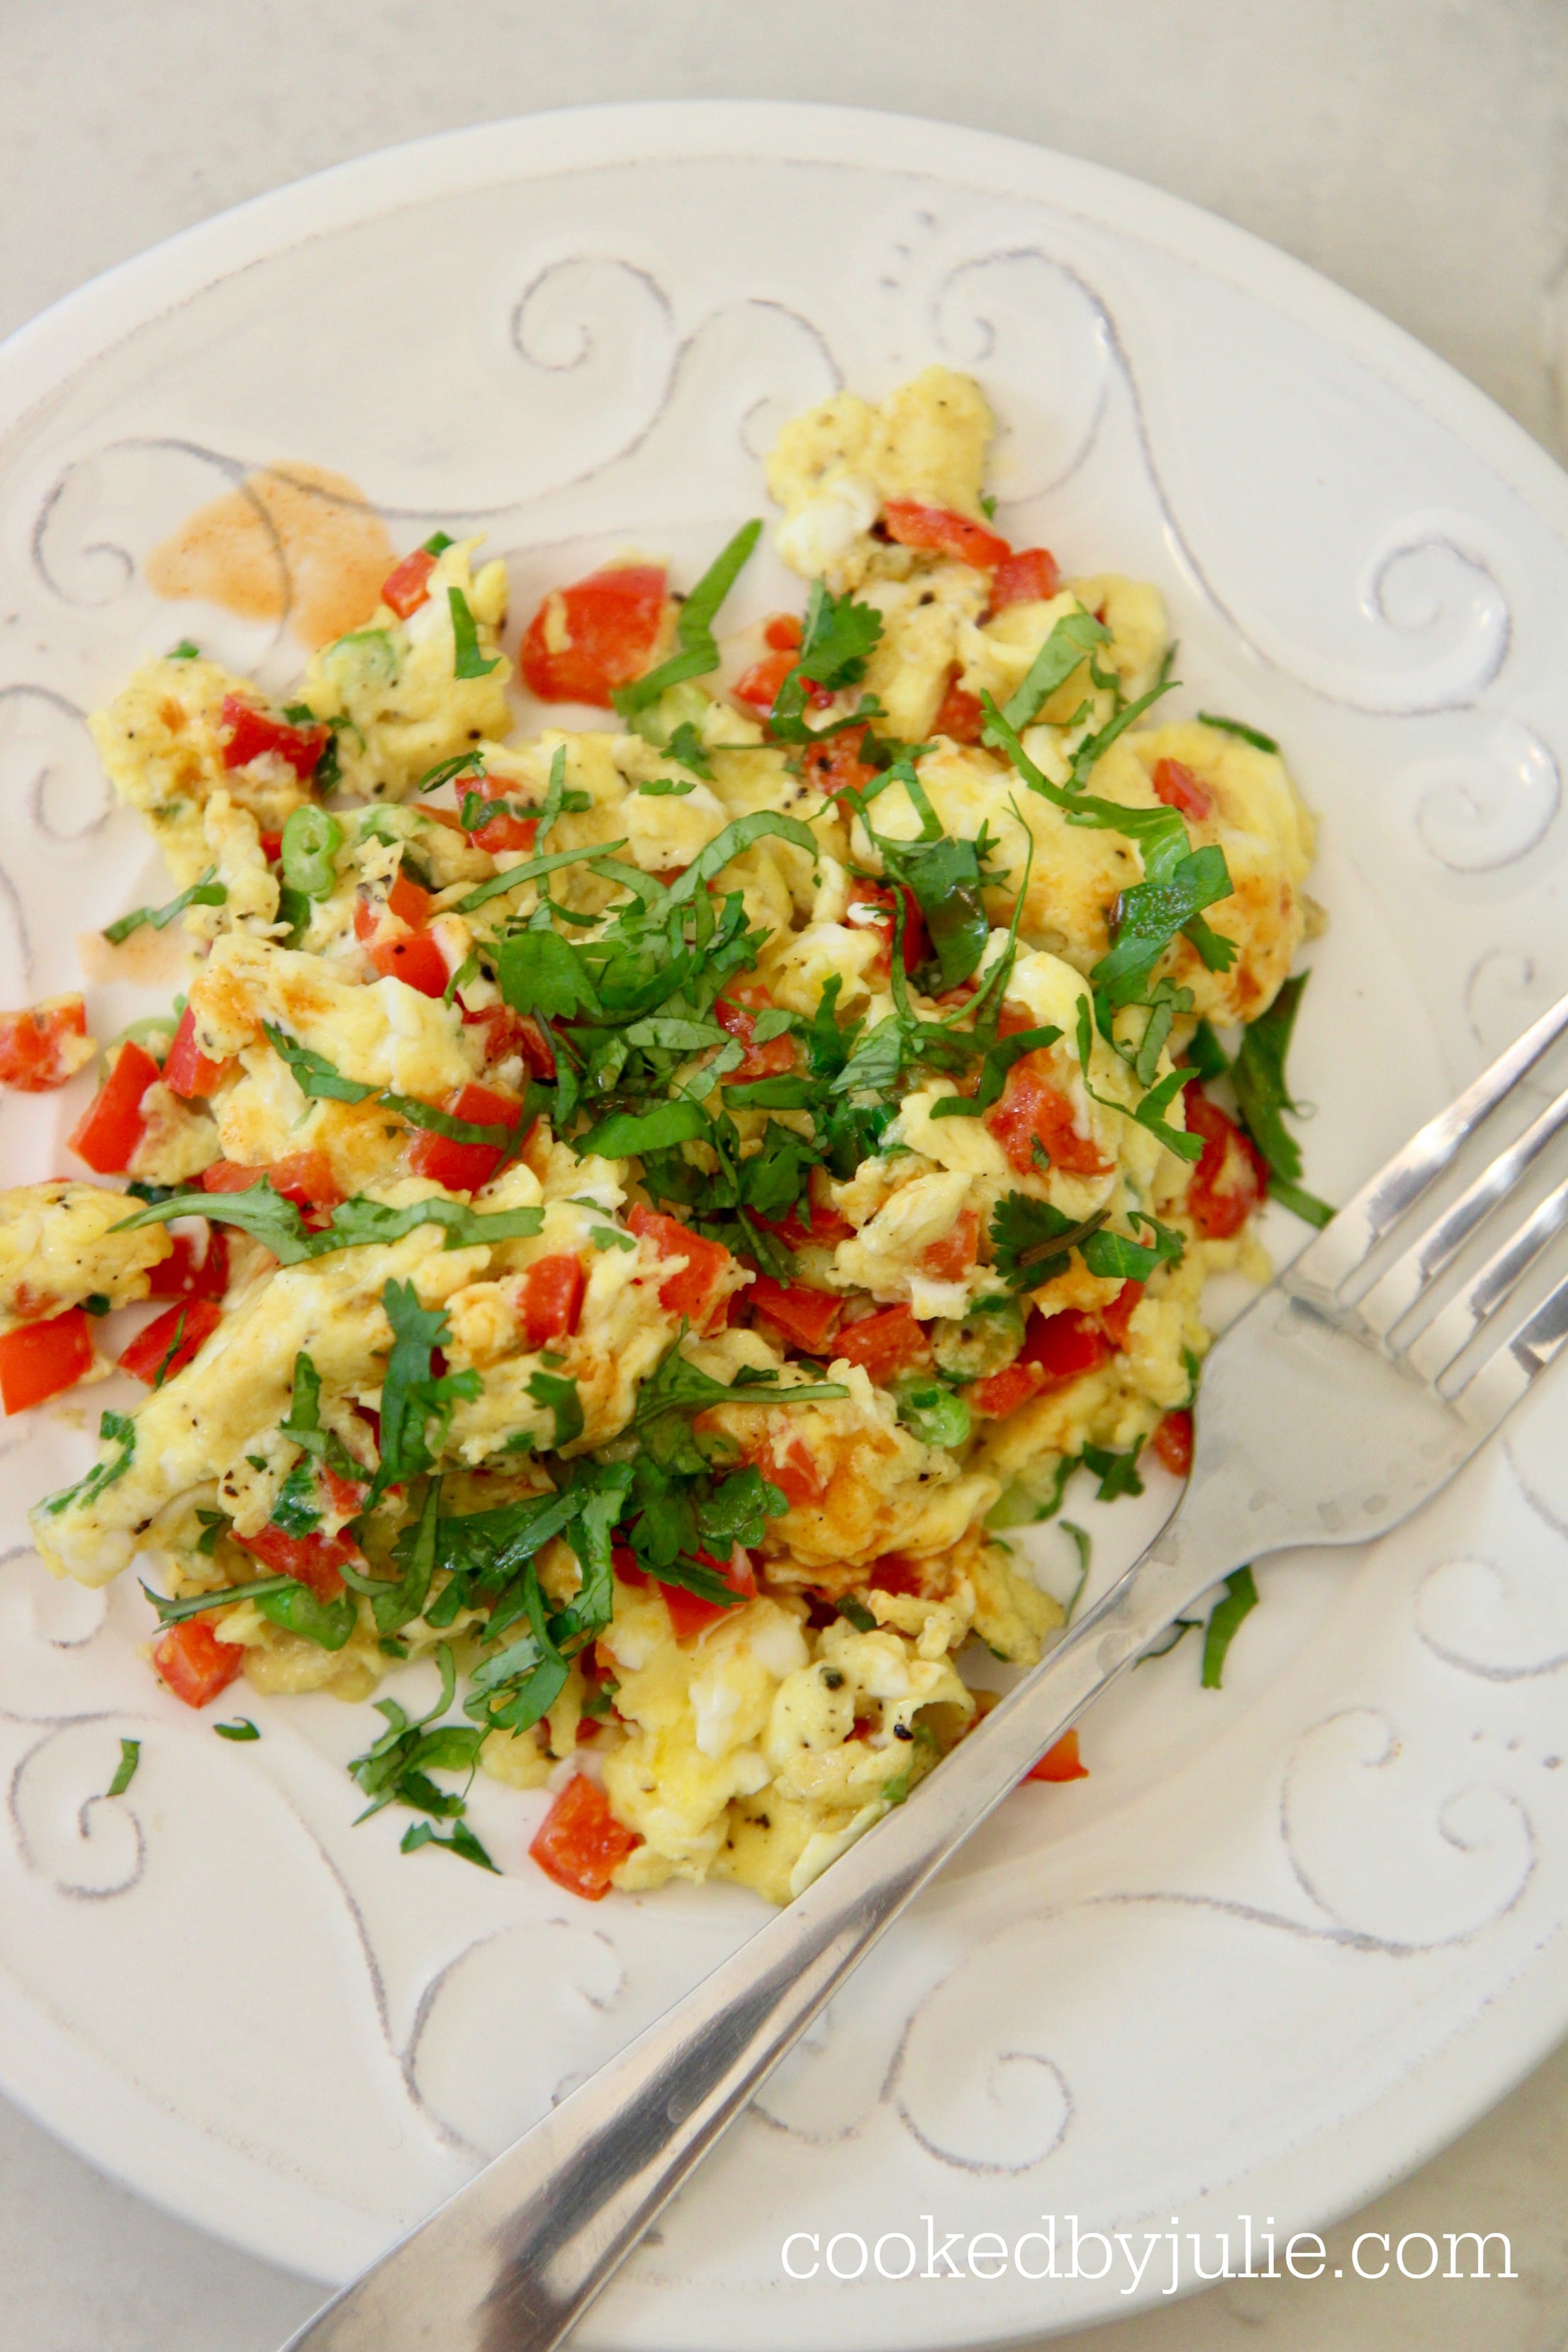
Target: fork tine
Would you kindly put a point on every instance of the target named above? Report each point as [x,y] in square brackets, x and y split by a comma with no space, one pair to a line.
[1492,1392]
[1399,1288]
[1440,1343]
[1325,1265]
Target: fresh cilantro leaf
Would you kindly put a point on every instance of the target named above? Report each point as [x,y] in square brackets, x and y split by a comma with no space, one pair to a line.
[1117,1258]
[1225,1622]
[125,1771]
[1030,1239]
[694,622]
[297,1510]
[837,638]
[113,1429]
[447,771]
[533,869]
[1253,735]
[737,836]
[856,1614]
[737,1511]
[205,893]
[412,1396]
[995,1066]
[685,747]
[1300,1202]
[1150,915]
[184,651]
[355,1223]
[466,659]
[241,1728]
[313,1073]
[441,1122]
[1093,748]
[663,785]
[558,1395]
[1262,1092]
[1070,643]
[1205,1054]
[462,1843]
[300,1610]
[198,1604]
[437,544]
[627,1135]
[1116,1473]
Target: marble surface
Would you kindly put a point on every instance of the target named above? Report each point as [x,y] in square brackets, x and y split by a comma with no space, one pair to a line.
[1417,150]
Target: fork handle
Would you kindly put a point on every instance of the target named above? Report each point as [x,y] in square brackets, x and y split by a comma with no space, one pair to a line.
[512,2261]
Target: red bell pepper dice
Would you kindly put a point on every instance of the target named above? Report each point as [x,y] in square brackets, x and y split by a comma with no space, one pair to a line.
[1029,577]
[1065,1346]
[167,1345]
[464,1167]
[1060,1762]
[885,1343]
[187,1072]
[1175,784]
[805,1316]
[960,715]
[580,1844]
[1231,1178]
[193,1663]
[599,633]
[111,1125]
[417,960]
[693,1290]
[43,1046]
[39,1361]
[1034,1108]
[252,731]
[1173,1442]
[551,1300]
[937,531]
[313,1559]
[408,585]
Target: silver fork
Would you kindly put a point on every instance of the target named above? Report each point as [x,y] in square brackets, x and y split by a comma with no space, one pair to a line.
[1329,1415]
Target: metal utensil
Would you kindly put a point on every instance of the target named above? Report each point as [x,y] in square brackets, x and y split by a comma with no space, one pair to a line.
[1331,1411]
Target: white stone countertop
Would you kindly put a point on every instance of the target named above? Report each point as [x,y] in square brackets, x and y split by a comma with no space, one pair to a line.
[1417,150]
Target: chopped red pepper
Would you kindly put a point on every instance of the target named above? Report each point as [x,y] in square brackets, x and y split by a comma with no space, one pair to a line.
[1029,577]
[1173,1442]
[193,1663]
[314,1560]
[44,1046]
[950,1259]
[42,1360]
[1064,1346]
[1003,1393]
[821,1225]
[580,1844]
[694,1288]
[1061,1762]
[885,1343]
[798,1475]
[1231,1178]
[405,900]
[880,896]
[1175,784]
[938,530]
[550,1300]
[836,766]
[1034,1109]
[464,1167]
[783,633]
[111,1125]
[417,960]
[167,1345]
[502,831]
[805,1316]
[253,732]
[408,585]
[186,1071]
[1115,1318]
[610,624]
[182,1275]
[737,1012]
[508,1033]
[960,715]
[306,1177]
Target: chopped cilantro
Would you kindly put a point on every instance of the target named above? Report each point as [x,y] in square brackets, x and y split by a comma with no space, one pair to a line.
[355,1223]
[1224,1621]
[113,1429]
[699,654]
[466,659]
[316,1078]
[1116,1473]
[125,1771]
[1253,735]
[412,1396]
[241,1728]
[205,893]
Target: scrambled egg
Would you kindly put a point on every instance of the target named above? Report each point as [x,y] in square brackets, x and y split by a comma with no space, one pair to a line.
[406,1028]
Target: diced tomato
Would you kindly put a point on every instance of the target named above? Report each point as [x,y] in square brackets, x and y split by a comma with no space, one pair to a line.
[405,900]
[1173,1442]
[182,1275]
[599,633]
[1175,784]
[1061,1762]
[42,1360]
[1231,1178]
[1034,1109]
[580,1844]
[110,1127]
[508,1033]
[896,1572]
[959,715]
[1028,577]
[737,1012]
[805,1316]
[502,831]
[798,1475]
[1003,1393]
[193,1663]
[315,1560]
[183,1328]
[252,732]
[550,1300]
[464,1167]
[186,1071]
[305,1178]
[885,1343]
[1064,1346]
[949,1259]
[417,960]
[689,1614]
[759,685]
[44,1046]
[408,585]
[346,1495]
[693,1289]
[272,848]
[1114,1318]
[783,633]
[879,895]
[939,531]
[821,1224]
[836,766]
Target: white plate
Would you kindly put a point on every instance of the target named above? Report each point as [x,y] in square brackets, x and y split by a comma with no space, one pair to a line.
[1286,1938]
